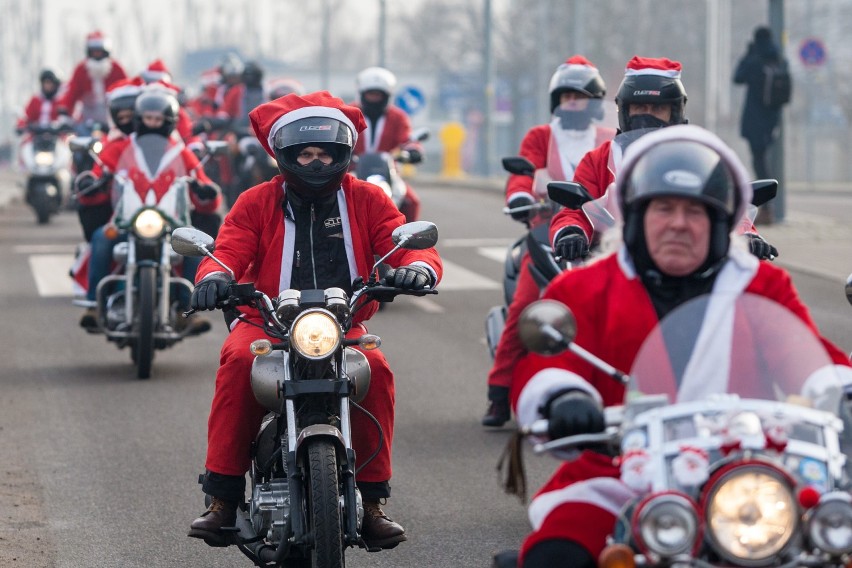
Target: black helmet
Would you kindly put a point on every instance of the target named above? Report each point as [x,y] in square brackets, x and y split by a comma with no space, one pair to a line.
[682,161]
[252,74]
[314,180]
[156,100]
[48,75]
[576,74]
[655,81]
[122,96]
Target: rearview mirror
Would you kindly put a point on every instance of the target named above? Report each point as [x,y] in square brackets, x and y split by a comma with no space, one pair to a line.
[763,191]
[418,235]
[518,165]
[216,147]
[420,134]
[569,194]
[547,327]
[187,241]
[849,289]
[81,143]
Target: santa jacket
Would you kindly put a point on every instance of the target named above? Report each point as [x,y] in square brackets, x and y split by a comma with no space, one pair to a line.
[39,111]
[537,147]
[80,88]
[257,242]
[615,314]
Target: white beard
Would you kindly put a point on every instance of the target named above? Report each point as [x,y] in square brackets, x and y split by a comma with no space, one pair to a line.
[98,69]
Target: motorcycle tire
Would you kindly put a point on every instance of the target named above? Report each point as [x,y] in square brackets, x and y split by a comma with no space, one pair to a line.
[41,203]
[324,511]
[144,348]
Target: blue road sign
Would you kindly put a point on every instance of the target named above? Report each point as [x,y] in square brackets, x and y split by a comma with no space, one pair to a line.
[410,99]
[812,52]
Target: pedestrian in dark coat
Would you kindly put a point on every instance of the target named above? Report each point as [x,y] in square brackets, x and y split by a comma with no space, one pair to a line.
[759,122]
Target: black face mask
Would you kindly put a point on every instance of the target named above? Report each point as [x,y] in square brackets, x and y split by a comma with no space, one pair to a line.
[637,121]
[573,119]
[309,182]
[374,110]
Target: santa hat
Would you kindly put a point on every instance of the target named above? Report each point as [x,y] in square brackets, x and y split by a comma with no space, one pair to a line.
[97,40]
[123,88]
[579,60]
[268,118]
[653,66]
[157,71]
[211,77]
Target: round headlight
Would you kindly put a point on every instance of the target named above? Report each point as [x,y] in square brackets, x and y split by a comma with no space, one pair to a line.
[315,334]
[668,524]
[149,224]
[44,158]
[830,524]
[751,514]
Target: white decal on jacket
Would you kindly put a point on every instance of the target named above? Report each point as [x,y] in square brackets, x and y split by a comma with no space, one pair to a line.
[606,493]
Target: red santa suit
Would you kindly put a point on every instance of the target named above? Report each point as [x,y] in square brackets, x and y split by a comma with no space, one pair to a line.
[392,132]
[88,86]
[554,152]
[614,316]
[257,241]
[40,111]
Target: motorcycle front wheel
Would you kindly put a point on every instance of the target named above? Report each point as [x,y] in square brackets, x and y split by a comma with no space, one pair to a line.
[146,294]
[324,506]
[40,200]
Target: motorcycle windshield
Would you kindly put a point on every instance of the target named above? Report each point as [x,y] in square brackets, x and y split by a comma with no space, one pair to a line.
[152,170]
[619,146]
[744,345]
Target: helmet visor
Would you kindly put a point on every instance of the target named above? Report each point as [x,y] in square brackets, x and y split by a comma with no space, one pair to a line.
[312,130]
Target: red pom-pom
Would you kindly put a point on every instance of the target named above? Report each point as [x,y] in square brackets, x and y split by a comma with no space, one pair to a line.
[809,497]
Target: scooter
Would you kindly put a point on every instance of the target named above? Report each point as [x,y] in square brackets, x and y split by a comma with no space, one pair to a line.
[46,159]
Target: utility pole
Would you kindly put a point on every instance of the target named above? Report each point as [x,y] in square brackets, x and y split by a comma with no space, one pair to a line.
[487,128]
[325,56]
[776,151]
[383,30]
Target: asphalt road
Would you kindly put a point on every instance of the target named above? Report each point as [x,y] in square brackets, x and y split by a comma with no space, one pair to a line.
[99,468]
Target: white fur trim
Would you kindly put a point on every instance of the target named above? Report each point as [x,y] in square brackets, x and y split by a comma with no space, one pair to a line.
[603,492]
[544,384]
[309,111]
[673,73]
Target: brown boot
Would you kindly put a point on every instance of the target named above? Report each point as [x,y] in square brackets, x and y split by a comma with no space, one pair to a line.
[209,525]
[378,529]
[194,324]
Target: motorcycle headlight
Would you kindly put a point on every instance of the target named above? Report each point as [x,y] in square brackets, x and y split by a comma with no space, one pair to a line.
[43,159]
[830,524]
[668,524]
[315,334]
[751,514]
[149,224]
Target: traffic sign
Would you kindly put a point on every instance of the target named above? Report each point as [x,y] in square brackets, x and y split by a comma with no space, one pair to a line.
[410,99]
[812,52]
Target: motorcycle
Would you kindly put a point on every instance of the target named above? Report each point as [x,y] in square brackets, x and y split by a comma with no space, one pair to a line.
[254,166]
[750,470]
[137,303]
[305,508]
[382,169]
[46,160]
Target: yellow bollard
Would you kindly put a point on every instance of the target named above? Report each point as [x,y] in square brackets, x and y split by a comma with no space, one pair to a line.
[452,136]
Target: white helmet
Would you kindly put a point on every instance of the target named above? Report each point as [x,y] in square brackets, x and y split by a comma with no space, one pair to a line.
[376,78]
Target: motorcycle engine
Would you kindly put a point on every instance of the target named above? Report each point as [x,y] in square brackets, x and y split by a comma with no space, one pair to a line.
[270,503]
[115,310]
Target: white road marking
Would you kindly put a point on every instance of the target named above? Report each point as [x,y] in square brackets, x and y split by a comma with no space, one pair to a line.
[494,253]
[471,243]
[50,272]
[459,278]
[44,249]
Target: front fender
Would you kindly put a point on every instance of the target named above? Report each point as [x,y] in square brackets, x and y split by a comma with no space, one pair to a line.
[315,431]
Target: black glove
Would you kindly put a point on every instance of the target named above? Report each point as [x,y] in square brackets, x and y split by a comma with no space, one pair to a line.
[87,184]
[203,191]
[520,200]
[210,291]
[415,156]
[760,248]
[573,412]
[409,278]
[572,245]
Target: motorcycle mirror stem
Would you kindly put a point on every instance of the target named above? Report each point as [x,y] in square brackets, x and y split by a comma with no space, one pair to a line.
[548,327]
[188,241]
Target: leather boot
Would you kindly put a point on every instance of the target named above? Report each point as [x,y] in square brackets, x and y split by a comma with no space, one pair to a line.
[209,525]
[378,530]
[498,413]
[194,324]
[89,320]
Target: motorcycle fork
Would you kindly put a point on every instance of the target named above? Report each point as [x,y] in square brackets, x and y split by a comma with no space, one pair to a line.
[165,280]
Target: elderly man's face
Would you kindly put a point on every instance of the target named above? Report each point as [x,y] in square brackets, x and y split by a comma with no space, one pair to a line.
[677,233]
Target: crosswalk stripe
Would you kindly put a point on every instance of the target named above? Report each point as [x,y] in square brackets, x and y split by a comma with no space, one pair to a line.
[457,277]
[50,272]
[494,253]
